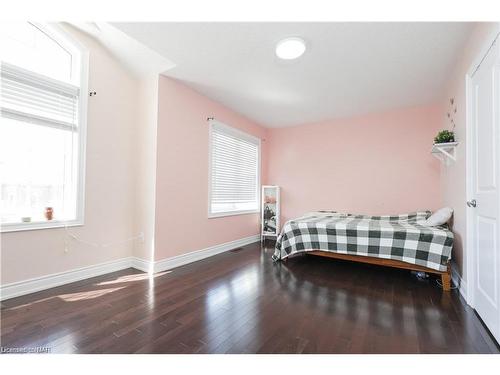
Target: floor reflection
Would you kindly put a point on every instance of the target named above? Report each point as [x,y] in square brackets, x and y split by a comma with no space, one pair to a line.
[72,297]
[370,306]
[133,278]
[236,297]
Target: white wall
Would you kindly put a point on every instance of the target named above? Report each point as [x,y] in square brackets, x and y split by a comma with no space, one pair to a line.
[145,157]
[110,181]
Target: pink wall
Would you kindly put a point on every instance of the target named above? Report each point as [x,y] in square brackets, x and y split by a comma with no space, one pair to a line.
[182,224]
[374,164]
[454,176]
[109,182]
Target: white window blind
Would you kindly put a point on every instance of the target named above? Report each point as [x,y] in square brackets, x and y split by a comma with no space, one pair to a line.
[28,96]
[234,171]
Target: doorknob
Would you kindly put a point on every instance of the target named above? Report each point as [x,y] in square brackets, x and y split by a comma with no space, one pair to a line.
[472,203]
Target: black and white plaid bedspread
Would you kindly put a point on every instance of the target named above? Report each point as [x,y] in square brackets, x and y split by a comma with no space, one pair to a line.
[390,237]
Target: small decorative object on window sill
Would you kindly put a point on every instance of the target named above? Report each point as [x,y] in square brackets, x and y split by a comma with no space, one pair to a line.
[49,213]
[26,219]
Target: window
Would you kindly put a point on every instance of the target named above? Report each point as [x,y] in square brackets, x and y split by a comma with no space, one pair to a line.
[234,171]
[42,131]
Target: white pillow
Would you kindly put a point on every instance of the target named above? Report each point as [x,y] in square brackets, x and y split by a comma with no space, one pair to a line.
[439,217]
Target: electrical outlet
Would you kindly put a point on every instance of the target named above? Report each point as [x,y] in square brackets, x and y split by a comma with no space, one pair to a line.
[141,237]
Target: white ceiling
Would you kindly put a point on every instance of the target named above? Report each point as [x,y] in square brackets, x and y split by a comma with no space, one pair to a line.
[348,69]
[138,58]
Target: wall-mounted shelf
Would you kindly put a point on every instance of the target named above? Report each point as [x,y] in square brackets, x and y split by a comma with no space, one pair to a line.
[446,152]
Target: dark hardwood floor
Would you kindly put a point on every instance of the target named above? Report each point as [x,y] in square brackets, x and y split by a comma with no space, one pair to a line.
[242,302]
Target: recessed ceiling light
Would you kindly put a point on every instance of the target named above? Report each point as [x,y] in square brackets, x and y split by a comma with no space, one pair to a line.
[290,48]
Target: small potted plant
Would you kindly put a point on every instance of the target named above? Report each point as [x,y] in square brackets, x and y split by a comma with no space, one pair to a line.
[444,136]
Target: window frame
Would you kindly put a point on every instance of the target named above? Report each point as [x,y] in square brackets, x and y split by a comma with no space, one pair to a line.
[244,135]
[74,47]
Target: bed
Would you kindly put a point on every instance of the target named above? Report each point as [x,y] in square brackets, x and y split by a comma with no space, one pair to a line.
[394,241]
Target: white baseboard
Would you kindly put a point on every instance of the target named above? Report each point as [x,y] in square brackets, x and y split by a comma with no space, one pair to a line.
[50,281]
[56,279]
[142,264]
[180,260]
[459,282]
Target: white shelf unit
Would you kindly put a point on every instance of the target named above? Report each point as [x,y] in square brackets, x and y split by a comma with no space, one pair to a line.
[446,152]
[270,212]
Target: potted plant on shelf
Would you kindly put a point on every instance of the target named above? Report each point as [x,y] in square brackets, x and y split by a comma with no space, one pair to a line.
[444,136]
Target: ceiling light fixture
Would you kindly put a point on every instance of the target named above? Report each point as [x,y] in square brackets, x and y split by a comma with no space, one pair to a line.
[290,48]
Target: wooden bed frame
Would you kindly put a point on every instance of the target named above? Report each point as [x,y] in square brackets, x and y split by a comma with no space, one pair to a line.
[445,275]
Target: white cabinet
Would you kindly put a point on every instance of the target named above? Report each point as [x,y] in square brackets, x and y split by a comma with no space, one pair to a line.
[270,212]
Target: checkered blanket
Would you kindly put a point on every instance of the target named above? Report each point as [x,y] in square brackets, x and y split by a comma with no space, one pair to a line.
[390,237]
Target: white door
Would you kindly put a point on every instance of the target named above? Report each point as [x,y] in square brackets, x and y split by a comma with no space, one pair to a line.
[485,157]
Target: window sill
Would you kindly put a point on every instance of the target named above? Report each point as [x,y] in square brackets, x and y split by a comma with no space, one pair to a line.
[37,225]
[231,213]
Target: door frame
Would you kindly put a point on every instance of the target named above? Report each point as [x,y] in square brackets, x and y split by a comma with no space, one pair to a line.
[469,244]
